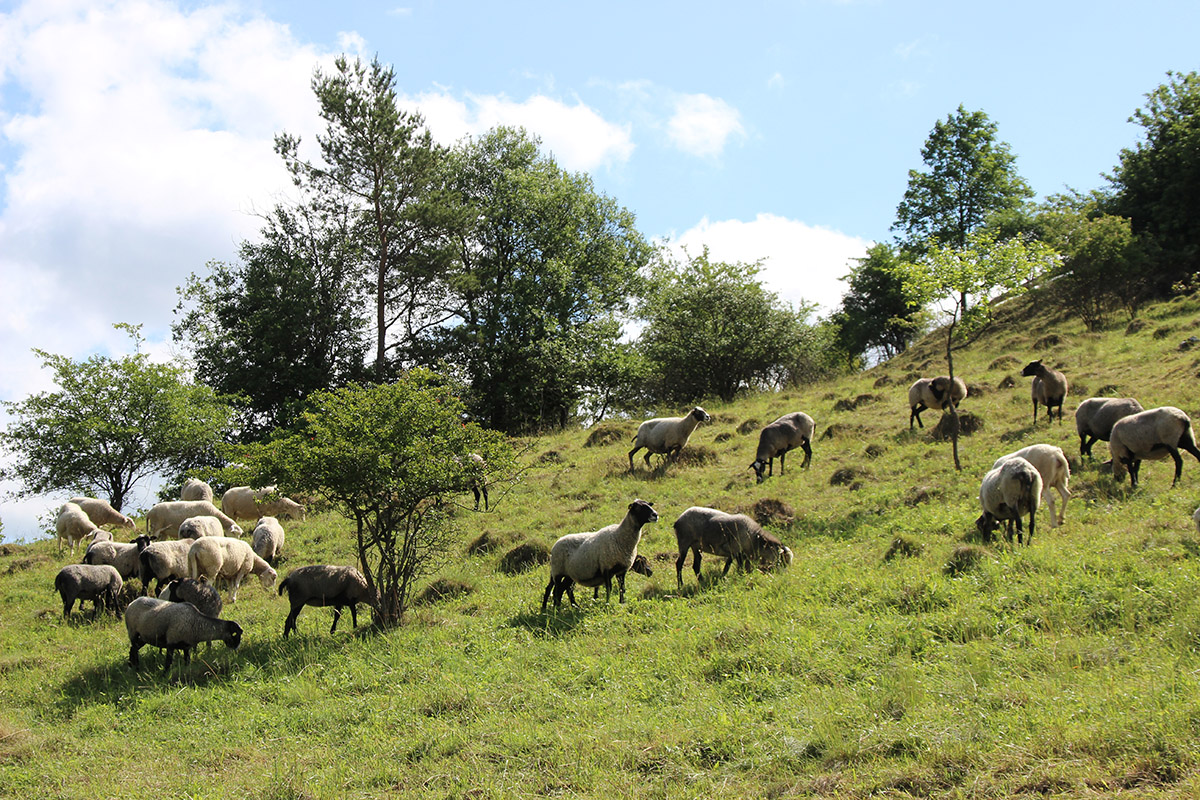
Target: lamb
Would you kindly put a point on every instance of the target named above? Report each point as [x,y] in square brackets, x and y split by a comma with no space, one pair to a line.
[101,513]
[196,489]
[1095,417]
[195,527]
[72,524]
[99,583]
[640,565]
[168,516]
[1008,491]
[164,561]
[734,536]
[118,554]
[174,626]
[596,557]
[1049,388]
[786,433]
[242,502]
[1150,436]
[326,585]
[932,393]
[1051,463]
[267,539]
[666,435]
[231,559]
[200,593]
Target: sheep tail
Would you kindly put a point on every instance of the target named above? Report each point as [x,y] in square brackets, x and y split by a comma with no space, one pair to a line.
[283,585]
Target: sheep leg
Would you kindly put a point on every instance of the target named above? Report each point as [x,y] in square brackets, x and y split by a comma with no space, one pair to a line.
[781,457]
[728,562]
[807,454]
[1064,493]
[1178,464]
[337,614]
[567,584]
[696,562]
[1185,444]
[290,623]
[67,606]
[170,655]
[1029,538]
[1085,445]
[483,489]
[683,557]
[1035,405]
[135,645]
[631,452]
[621,584]
[354,615]
[546,595]
[915,413]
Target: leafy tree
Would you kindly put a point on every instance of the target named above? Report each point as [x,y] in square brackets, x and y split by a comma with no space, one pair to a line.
[111,423]
[876,316]
[394,459]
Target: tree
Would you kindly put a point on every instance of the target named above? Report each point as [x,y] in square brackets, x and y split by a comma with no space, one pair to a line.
[111,423]
[394,459]
[876,316]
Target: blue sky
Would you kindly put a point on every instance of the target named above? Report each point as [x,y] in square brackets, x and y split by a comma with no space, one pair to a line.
[135,135]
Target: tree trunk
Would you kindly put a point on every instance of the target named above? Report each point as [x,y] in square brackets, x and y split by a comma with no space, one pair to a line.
[950,393]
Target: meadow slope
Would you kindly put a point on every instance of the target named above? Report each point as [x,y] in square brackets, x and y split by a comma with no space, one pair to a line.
[1068,668]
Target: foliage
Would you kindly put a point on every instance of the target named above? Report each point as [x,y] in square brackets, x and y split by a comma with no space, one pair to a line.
[111,423]
[876,317]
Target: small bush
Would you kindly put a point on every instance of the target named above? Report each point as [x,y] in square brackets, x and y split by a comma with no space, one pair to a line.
[964,558]
[749,426]
[883,380]
[1004,362]
[846,476]
[485,543]
[1047,341]
[1006,383]
[443,589]
[524,557]
[903,546]
[607,434]
[550,457]
[724,436]
[922,494]
[768,511]
[696,456]
[968,424]
[1136,326]
[875,450]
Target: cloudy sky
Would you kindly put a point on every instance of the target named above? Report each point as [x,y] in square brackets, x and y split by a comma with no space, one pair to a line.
[135,135]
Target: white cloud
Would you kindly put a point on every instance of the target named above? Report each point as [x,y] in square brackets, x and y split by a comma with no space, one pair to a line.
[776,81]
[701,125]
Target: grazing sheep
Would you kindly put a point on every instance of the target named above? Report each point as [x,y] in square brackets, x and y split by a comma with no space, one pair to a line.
[1051,463]
[734,536]
[72,525]
[196,489]
[1049,388]
[101,513]
[1007,492]
[596,557]
[786,433]
[267,539]
[242,502]
[640,565]
[174,626]
[100,583]
[200,593]
[326,585]
[231,559]
[1150,436]
[1095,417]
[168,516]
[666,435]
[479,484]
[932,393]
[163,561]
[118,554]
[196,527]
[98,535]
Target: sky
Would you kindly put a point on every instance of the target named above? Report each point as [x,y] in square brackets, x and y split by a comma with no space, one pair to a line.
[136,135]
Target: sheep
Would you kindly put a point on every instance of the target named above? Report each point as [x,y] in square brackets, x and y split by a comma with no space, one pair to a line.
[931,393]
[100,583]
[326,585]
[1196,519]
[71,525]
[267,539]
[231,559]
[666,435]
[478,482]
[596,557]
[196,489]
[101,513]
[242,502]
[786,433]
[1008,491]
[195,527]
[163,561]
[118,554]
[1095,417]
[640,565]
[1051,463]
[167,516]
[98,535]
[1150,436]
[1049,388]
[174,626]
[199,592]
[734,536]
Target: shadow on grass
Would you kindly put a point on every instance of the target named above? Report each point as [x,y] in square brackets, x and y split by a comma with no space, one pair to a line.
[552,622]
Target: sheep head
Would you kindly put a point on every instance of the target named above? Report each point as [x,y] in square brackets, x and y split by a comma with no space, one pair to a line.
[700,415]
[234,636]
[643,512]
[759,466]
[1033,368]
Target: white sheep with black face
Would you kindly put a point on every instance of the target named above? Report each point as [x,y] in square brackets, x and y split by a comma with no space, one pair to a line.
[122,555]
[933,393]
[1051,463]
[666,435]
[1151,436]
[594,558]
[1009,490]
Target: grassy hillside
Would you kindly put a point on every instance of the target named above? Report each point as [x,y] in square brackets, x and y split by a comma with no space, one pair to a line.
[1066,668]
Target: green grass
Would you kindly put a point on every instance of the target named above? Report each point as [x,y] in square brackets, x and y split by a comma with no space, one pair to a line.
[944,667]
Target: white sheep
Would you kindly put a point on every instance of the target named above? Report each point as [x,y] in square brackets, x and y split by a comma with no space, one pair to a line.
[932,393]
[596,557]
[163,561]
[1049,387]
[168,516]
[71,525]
[242,502]
[786,433]
[196,527]
[174,626]
[231,559]
[1150,436]
[666,435]
[123,556]
[1095,417]
[1051,463]
[326,585]
[1008,491]
[267,539]
[100,512]
[196,489]
[99,583]
[98,535]
[735,537]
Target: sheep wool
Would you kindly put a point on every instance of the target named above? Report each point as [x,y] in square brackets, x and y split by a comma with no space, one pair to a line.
[101,513]
[1095,417]
[1049,388]
[243,502]
[735,537]
[1051,463]
[666,435]
[786,433]
[166,517]
[122,555]
[1150,436]
[596,557]
[228,558]
[1008,491]
[163,561]
[267,539]
[326,585]
[174,626]
[71,525]
[100,583]
[196,489]
[934,393]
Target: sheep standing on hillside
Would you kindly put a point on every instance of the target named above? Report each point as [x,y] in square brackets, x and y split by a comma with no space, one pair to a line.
[326,585]
[479,482]
[786,433]
[200,593]
[267,539]
[163,561]
[71,525]
[242,502]
[735,537]
[1150,436]
[228,558]
[99,583]
[596,557]
[174,626]
[196,489]
[1051,463]
[100,512]
[118,554]
[164,518]
[1049,387]
[1008,491]
[196,527]
[666,435]
[935,393]
[1095,417]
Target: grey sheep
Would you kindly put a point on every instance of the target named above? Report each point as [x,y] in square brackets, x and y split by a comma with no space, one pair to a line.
[326,585]
[1150,436]
[786,433]
[1008,491]
[666,435]
[196,489]
[242,502]
[267,539]
[1049,388]
[71,525]
[163,561]
[1051,463]
[102,513]
[1095,417]
[199,592]
[935,393]
[196,527]
[167,517]
[174,626]
[99,583]
[735,537]
[122,555]
[596,557]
